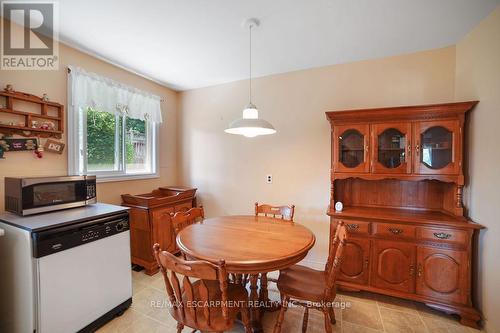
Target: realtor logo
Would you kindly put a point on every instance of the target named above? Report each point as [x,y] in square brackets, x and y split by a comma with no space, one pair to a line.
[29,37]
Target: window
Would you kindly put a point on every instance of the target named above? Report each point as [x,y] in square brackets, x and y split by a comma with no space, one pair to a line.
[117,145]
[111,141]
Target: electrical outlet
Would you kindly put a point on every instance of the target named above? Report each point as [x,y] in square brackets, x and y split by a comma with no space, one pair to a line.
[269,179]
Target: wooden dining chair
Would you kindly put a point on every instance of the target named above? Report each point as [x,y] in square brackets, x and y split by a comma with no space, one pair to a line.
[312,288]
[180,220]
[203,300]
[283,212]
[278,212]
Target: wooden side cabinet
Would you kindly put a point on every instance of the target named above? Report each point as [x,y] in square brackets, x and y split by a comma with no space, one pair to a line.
[399,174]
[150,222]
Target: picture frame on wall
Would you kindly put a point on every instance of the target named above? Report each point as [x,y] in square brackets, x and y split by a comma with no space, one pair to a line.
[24,144]
[54,146]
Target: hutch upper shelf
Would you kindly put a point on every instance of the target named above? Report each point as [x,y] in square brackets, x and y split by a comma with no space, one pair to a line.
[417,142]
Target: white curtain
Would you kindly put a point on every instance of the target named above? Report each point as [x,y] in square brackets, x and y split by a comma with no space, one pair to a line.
[103,94]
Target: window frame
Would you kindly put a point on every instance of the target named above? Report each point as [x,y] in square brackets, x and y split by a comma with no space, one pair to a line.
[77,145]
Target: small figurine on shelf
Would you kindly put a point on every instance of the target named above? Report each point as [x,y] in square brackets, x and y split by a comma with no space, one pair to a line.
[48,125]
[45,98]
[9,88]
[34,124]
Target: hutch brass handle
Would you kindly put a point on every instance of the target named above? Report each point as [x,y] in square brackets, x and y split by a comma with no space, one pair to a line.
[396,231]
[442,235]
[352,226]
[417,148]
[420,270]
[366,262]
[412,270]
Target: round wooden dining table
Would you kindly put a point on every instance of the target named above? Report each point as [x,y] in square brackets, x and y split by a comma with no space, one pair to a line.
[249,245]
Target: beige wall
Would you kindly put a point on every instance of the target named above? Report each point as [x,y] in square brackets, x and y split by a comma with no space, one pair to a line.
[478,77]
[230,170]
[54,83]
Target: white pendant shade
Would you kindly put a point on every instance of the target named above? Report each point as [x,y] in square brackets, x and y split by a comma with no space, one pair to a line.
[250,125]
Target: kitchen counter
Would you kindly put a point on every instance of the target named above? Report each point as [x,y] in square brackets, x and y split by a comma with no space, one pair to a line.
[40,222]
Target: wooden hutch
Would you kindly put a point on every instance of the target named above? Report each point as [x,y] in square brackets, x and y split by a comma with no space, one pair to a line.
[150,222]
[399,174]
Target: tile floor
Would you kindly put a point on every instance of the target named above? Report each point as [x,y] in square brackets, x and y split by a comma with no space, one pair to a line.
[364,313]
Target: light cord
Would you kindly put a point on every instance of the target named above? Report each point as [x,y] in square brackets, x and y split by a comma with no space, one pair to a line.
[250,61]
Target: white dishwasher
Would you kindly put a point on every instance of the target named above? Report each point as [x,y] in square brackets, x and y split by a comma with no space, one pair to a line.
[77,278]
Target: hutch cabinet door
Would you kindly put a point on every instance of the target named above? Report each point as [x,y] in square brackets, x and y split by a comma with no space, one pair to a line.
[393,265]
[350,148]
[356,259]
[391,148]
[438,147]
[442,274]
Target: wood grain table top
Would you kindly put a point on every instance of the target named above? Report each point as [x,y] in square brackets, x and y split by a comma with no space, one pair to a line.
[248,244]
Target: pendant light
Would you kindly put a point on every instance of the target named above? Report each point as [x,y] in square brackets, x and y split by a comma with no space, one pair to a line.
[250,125]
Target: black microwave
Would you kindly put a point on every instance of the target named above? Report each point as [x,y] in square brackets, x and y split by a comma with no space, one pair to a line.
[27,196]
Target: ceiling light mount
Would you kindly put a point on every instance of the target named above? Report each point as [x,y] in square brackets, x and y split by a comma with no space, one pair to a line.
[250,23]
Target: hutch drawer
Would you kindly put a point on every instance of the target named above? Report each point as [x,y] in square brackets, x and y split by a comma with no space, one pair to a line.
[391,230]
[443,235]
[357,227]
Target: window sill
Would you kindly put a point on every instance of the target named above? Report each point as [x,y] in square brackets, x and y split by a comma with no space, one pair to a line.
[121,178]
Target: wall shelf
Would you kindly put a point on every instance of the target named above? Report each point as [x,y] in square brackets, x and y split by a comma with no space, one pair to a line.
[43,106]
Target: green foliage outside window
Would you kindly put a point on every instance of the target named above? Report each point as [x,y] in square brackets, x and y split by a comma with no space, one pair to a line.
[101,129]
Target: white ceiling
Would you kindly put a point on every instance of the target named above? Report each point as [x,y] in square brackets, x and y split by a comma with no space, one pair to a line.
[187,44]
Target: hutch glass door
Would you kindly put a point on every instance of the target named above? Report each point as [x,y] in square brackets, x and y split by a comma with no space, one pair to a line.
[391,148]
[350,150]
[437,147]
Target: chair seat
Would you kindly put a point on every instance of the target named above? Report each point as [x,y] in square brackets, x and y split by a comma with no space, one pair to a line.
[303,283]
[235,293]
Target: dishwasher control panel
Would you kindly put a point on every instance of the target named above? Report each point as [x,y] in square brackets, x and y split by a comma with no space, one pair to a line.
[66,237]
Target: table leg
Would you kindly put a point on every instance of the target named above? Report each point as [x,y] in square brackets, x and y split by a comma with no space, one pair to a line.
[263,288]
[254,310]
[270,306]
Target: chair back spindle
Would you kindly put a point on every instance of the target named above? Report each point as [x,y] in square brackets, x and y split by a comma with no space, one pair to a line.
[334,242]
[338,244]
